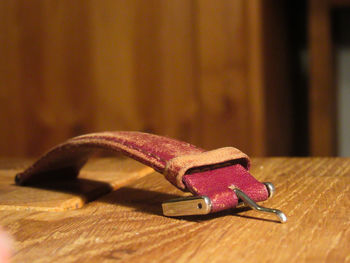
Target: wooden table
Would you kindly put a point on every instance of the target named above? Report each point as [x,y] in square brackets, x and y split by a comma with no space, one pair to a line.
[57,223]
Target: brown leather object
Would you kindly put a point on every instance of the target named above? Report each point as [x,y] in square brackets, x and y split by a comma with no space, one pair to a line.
[170,157]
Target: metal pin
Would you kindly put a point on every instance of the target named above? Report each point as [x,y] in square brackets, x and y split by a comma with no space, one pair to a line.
[192,205]
[249,202]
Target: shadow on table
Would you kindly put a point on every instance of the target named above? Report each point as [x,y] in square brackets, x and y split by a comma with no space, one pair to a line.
[146,201]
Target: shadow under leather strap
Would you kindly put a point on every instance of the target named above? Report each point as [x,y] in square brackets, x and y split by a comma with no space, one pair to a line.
[184,165]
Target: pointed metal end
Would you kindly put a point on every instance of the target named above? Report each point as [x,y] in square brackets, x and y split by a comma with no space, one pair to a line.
[283,218]
[249,202]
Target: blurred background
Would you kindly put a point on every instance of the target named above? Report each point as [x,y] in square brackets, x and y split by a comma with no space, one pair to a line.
[269,77]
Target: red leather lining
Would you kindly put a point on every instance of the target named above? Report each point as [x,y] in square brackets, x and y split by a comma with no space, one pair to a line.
[215,184]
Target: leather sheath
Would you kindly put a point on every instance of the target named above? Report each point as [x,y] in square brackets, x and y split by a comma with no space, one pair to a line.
[186,166]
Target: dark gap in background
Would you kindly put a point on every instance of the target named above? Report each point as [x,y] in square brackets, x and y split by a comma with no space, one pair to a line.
[341,26]
[297,34]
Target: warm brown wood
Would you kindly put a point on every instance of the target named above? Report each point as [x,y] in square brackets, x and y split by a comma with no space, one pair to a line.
[93,182]
[223,74]
[126,225]
[243,80]
[322,108]
[192,70]
[255,80]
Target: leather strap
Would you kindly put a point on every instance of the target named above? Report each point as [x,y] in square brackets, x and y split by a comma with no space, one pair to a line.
[187,167]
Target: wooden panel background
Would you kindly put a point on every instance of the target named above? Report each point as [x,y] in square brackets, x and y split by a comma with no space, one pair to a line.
[196,70]
[322,93]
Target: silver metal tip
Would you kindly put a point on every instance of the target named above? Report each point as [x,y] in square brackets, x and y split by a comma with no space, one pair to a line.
[249,202]
[283,218]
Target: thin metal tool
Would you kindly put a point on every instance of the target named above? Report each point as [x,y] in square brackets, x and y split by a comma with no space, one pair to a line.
[249,202]
[201,205]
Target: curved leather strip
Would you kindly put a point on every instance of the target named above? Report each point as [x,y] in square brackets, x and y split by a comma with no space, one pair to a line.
[152,150]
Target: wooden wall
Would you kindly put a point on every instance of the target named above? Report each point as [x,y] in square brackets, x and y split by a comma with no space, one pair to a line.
[198,70]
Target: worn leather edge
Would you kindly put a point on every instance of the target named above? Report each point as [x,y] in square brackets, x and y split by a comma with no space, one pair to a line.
[177,167]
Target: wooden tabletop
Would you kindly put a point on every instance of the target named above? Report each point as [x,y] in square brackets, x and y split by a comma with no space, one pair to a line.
[113,214]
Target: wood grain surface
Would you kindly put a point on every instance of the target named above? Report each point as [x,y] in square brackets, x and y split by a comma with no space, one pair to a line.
[127,225]
[93,181]
[189,69]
